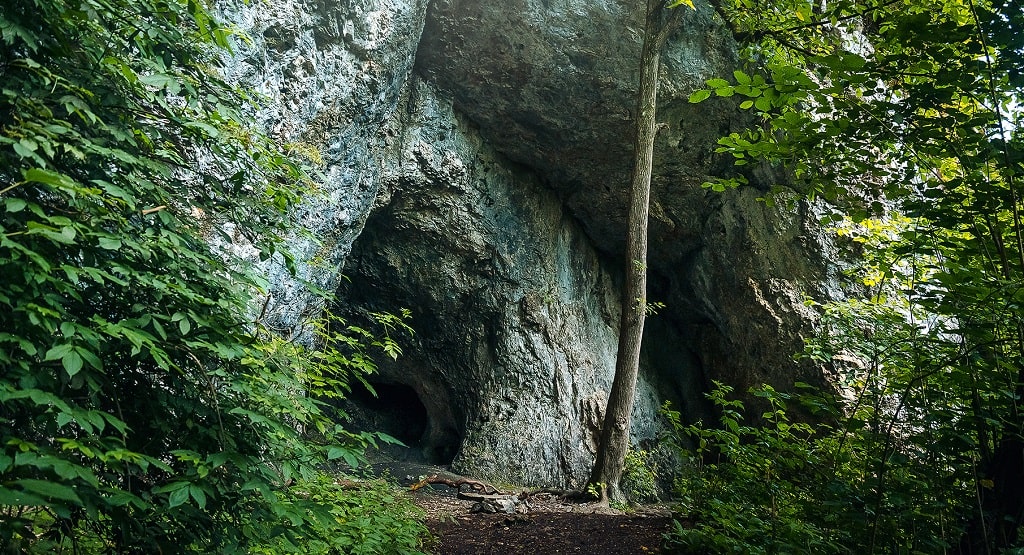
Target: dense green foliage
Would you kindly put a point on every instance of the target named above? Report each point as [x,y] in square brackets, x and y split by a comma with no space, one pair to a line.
[751,489]
[904,115]
[790,487]
[639,476]
[144,407]
[366,518]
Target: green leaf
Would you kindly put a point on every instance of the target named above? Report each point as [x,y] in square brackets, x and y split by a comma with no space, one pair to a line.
[173,486]
[159,328]
[350,456]
[178,497]
[58,351]
[162,81]
[389,439]
[72,363]
[15,498]
[14,204]
[23,150]
[209,129]
[198,495]
[123,498]
[90,357]
[67,329]
[63,418]
[50,490]
[48,177]
[700,96]
[110,243]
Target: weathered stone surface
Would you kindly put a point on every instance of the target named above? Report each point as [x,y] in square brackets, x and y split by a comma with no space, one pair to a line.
[550,85]
[508,505]
[486,193]
[333,74]
[514,313]
[743,292]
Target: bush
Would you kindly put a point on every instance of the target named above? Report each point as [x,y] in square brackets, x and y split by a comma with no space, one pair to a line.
[639,479]
[750,489]
[356,518]
[789,487]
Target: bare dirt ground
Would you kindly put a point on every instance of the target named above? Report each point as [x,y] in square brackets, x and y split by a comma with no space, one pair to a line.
[544,524]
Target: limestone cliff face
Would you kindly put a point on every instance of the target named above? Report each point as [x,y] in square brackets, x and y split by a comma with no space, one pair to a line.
[333,74]
[476,156]
[514,310]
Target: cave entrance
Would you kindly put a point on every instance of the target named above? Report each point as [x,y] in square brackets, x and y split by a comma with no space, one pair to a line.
[398,410]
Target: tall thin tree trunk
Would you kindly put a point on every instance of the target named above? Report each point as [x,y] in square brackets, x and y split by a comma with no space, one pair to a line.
[611,452]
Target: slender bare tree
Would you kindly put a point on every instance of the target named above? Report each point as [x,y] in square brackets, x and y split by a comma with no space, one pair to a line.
[660,19]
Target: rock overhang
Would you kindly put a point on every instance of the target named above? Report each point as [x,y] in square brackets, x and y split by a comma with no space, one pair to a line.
[494,191]
[551,86]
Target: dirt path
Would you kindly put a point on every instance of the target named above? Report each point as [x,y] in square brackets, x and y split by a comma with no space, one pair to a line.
[540,524]
[546,526]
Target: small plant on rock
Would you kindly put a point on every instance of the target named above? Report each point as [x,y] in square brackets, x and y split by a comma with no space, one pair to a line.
[639,478]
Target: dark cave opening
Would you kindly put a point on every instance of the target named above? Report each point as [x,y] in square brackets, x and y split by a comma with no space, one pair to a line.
[398,410]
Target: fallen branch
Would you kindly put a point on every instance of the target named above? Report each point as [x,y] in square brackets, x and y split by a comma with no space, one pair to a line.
[474,485]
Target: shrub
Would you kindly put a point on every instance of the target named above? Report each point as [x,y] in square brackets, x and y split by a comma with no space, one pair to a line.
[789,487]
[750,489]
[639,479]
[355,518]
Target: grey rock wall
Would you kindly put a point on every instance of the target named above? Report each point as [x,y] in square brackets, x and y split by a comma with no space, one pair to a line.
[515,313]
[550,85]
[333,74]
[475,157]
